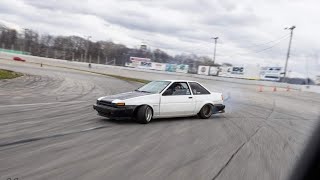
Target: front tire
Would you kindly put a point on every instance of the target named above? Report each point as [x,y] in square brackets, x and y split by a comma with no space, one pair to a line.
[206,111]
[144,114]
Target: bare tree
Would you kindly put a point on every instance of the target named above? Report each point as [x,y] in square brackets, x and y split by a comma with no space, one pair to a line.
[74,47]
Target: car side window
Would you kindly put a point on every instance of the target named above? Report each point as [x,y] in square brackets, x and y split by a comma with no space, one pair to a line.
[197,89]
[177,88]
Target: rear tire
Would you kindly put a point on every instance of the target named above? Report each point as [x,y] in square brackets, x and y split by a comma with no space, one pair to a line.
[206,111]
[144,114]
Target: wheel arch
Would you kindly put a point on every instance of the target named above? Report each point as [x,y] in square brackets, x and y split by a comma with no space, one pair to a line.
[203,104]
[138,106]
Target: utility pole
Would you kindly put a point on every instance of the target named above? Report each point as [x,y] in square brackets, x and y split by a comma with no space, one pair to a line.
[87,48]
[215,45]
[288,53]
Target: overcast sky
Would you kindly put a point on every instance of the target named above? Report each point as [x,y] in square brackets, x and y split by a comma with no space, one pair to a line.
[249,31]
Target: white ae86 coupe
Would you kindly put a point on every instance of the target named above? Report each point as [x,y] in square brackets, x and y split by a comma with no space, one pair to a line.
[162,99]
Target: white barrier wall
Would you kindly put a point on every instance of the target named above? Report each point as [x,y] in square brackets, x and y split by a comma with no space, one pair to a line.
[158,66]
[182,68]
[213,71]
[151,74]
[133,64]
[270,73]
[140,59]
[171,67]
[145,65]
[225,71]
[246,72]
[251,72]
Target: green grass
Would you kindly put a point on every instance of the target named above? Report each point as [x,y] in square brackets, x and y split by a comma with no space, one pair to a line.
[6,74]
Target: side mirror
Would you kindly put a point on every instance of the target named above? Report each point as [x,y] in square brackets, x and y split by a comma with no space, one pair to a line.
[168,92]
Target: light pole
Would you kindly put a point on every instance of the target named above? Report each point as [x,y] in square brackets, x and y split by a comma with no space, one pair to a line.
[86,52]
[215,45]
[288,53]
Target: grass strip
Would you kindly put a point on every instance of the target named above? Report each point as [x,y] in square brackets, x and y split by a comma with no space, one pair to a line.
[7,74]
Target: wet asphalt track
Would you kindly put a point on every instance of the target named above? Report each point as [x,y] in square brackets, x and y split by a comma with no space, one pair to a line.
[48,130]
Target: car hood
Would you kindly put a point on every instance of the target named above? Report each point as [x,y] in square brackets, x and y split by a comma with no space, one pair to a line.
[124,96]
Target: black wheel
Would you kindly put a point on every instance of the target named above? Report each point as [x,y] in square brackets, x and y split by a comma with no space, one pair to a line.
[144,114]
[206,111]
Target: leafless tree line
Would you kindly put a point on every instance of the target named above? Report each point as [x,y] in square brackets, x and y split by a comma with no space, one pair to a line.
[74,48]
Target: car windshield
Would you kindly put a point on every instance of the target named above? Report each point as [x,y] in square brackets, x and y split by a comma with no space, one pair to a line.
[154,87]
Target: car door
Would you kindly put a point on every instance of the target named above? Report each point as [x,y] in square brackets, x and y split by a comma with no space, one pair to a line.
[177,101]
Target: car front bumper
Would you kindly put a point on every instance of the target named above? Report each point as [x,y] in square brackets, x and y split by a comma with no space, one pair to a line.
[114,112]
[218,108]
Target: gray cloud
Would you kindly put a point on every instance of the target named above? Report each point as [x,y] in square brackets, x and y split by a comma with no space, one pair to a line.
[180,25]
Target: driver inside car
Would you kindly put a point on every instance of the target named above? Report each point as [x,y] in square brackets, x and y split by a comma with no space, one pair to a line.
[178,87]
[179,90]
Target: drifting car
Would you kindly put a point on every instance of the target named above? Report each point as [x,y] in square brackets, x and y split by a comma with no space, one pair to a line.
[162,99]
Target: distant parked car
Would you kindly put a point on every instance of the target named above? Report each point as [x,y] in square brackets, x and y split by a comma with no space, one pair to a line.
[16,58]
[162,99]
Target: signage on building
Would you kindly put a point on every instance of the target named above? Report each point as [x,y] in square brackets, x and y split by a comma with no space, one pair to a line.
[203,70]
[158,66]
[171,67]
[145,65]
[270,73]
[213,71]
[237,70]
[182,68]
